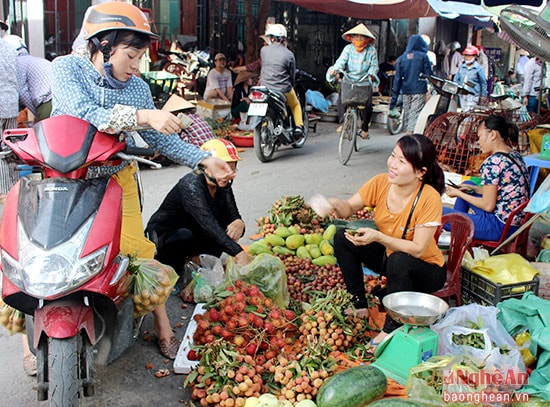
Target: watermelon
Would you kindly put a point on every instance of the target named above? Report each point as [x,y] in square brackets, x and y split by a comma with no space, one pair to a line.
[354,387]
[394,402]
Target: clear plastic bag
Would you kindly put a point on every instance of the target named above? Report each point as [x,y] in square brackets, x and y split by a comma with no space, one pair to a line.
[11,319]
[203,290]
[501,353]
[212,269]
[429,382]
[265,271]
[151,284]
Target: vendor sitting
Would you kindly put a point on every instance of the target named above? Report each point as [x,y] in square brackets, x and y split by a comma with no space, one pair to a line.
[504,182]
[240,103]
[199,215]
[219,84]
[195,129]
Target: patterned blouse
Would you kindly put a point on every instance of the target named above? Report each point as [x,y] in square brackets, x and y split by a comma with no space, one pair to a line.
[512,183]
[79,90]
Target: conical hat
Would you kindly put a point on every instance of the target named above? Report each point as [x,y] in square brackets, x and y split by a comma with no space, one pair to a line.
[175,103]
[360,29]
[243,76]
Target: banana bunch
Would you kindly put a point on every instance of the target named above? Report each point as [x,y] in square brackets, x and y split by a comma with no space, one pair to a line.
[288,241]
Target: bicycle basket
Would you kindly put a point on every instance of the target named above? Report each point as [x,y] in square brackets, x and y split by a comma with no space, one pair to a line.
[355,92]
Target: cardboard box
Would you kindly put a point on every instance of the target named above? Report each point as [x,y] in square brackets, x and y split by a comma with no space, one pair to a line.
[213,109]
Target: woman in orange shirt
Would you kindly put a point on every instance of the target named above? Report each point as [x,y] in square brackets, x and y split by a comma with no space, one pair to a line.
[408,208]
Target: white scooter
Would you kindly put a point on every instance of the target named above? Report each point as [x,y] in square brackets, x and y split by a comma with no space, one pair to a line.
[444,101]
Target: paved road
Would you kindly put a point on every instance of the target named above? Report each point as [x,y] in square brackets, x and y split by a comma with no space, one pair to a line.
[314,168]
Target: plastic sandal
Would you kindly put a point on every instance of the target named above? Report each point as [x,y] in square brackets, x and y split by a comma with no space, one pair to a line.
[29,365]
[169,347]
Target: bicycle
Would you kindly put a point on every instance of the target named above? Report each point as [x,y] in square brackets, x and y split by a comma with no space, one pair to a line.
[353,96]
[351,125]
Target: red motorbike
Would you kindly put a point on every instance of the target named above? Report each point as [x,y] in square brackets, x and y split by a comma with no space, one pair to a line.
[59,241]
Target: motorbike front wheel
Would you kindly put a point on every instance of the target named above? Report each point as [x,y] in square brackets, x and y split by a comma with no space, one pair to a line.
[264,140]
[63,374]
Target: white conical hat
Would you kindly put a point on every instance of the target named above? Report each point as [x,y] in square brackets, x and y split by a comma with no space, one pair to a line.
[360,29]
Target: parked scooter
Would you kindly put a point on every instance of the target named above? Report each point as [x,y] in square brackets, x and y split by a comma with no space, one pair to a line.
[444,101]
[60,243]
[272,120]
[192,69]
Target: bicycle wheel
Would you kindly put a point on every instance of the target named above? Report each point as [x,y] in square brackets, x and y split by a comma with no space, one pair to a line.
[347,136]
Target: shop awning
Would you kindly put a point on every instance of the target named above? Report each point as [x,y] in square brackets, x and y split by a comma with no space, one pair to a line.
[468,13]
[370,9]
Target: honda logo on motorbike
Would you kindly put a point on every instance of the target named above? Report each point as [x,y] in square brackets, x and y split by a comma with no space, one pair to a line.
[55,189]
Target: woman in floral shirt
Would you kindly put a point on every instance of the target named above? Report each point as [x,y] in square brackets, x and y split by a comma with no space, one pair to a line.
[504,182]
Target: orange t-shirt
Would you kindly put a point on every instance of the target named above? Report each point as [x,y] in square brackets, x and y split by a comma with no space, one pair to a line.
[374,193]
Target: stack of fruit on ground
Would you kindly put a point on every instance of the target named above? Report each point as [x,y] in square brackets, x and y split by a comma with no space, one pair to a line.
[247,346]
[294,233]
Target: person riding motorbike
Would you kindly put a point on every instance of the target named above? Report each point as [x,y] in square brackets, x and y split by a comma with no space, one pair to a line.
[103,89]
[279,72]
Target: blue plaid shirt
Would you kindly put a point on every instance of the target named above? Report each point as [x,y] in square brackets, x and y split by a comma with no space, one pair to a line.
[359,66]
[79,90]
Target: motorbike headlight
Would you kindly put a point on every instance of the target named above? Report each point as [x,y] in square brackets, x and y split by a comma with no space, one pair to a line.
[44,273]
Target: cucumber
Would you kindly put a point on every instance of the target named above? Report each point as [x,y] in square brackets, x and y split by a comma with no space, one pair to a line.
[354,387]
[395,402]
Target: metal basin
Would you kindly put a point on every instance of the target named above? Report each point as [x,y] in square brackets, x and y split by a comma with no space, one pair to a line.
[414,308]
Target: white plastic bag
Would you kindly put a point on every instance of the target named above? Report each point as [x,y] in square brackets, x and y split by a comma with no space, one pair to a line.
[501,351]
[212,269]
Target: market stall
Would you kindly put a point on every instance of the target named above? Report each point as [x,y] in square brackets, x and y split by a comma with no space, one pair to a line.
[276,333]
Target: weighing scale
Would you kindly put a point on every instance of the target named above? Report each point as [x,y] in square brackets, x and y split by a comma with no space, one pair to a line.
[414,342]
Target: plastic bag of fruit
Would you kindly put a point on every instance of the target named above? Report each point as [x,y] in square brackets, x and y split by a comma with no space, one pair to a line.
[265,271]
[151,284]
[11,319]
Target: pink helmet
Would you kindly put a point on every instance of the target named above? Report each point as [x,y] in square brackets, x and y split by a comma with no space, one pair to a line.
[470,50]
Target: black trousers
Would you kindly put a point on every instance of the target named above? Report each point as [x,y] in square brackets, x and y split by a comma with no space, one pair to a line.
[175,248]
[403,272]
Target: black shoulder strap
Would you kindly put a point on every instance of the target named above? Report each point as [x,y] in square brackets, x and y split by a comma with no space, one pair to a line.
[411,212]
[520,169]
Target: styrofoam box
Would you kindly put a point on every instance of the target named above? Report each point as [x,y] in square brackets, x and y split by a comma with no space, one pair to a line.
[182,365]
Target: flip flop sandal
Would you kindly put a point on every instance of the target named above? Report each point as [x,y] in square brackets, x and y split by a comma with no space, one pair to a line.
[169,347]
[29,365]
[365,135]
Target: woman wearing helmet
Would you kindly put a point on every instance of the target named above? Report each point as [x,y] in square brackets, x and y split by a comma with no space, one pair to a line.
[360,62]
[199,215]
[103,89]
[471,74]
[279,72]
